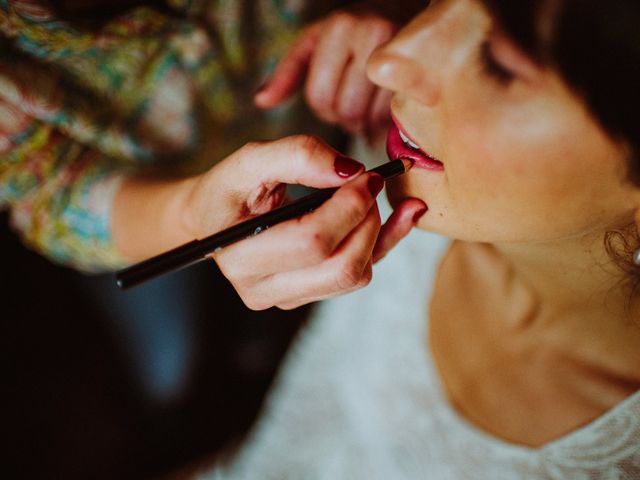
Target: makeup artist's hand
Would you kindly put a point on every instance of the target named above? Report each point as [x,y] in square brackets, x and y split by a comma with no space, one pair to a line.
[329,58]
[322,254]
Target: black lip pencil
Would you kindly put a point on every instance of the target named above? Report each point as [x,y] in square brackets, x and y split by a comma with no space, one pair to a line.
[197,250]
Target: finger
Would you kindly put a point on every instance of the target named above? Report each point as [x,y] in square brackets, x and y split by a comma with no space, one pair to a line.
[367,275]
[380,108]
[305,241]
[300,159]
[356,90]
[379,115]
[346,271]
[401,221]
[290,71]
[327,67]
[353,98]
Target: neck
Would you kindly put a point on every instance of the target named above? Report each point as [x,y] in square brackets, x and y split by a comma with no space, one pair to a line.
[580,307]
[573,278]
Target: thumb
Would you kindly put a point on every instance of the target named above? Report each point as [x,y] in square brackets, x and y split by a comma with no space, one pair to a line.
[299,159]
[290,71]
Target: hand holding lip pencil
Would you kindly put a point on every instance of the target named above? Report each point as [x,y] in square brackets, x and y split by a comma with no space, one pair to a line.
[197,250]
[321,254]
[324,253]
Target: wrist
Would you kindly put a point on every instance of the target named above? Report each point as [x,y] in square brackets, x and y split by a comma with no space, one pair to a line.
[151,216]
[180,215]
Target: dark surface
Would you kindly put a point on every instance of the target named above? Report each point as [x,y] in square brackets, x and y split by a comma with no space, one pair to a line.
[72,404]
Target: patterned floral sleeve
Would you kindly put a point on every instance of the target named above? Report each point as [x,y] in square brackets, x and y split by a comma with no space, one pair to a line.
[77,112]
[78,109]
[59,193]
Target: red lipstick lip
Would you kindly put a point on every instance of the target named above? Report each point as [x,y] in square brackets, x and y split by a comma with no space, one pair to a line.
[396,149]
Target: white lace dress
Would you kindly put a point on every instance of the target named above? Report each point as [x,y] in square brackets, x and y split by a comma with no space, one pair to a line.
[359,399]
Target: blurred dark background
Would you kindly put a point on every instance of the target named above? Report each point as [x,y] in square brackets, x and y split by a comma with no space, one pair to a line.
[103,384]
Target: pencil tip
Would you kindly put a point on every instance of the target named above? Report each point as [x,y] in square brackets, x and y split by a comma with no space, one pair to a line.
[408,163]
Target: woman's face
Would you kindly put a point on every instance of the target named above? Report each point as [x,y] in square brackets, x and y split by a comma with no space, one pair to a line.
[522,159]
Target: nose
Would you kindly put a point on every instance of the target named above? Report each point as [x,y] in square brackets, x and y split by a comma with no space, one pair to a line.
[424,54]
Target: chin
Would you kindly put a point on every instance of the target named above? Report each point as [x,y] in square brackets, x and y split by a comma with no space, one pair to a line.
[397,191]
[436,219]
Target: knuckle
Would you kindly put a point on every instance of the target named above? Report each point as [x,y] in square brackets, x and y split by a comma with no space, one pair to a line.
[342,21]
[288,306]
[354,203]
[316,97]
[381,30]
[316,246]
[234,272]
[240,274]
[349,275]
[366,277]
[306,148]
[255,304]
[350,112]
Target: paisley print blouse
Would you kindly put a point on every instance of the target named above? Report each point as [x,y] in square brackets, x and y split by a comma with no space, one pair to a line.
[80,109]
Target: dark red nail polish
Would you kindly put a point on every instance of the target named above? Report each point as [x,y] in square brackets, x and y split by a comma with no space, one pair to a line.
[346,167]
[418,215]
[375,184]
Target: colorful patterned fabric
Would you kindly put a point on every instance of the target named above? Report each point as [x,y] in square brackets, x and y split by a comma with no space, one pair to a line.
[79,109]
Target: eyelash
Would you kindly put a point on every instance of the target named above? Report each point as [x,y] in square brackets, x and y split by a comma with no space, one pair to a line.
[492,68]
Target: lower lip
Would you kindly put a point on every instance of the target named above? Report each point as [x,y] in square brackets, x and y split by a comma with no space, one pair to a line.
[396,149]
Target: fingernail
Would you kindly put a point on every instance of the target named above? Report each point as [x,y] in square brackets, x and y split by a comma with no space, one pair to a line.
[375,184]
[418,215]
[346,167]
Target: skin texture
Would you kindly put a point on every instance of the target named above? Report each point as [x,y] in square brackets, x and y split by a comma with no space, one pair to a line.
[530,185]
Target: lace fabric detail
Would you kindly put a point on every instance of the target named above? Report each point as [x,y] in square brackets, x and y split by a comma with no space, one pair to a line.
[359,398]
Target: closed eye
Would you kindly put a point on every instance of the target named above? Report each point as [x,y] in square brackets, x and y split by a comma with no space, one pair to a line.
[492,68]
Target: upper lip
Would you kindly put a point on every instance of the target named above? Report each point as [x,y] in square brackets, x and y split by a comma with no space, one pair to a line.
[406,135]
[404,132]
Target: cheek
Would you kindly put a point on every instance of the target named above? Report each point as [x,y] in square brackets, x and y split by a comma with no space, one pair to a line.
[518,176]
[541,177]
